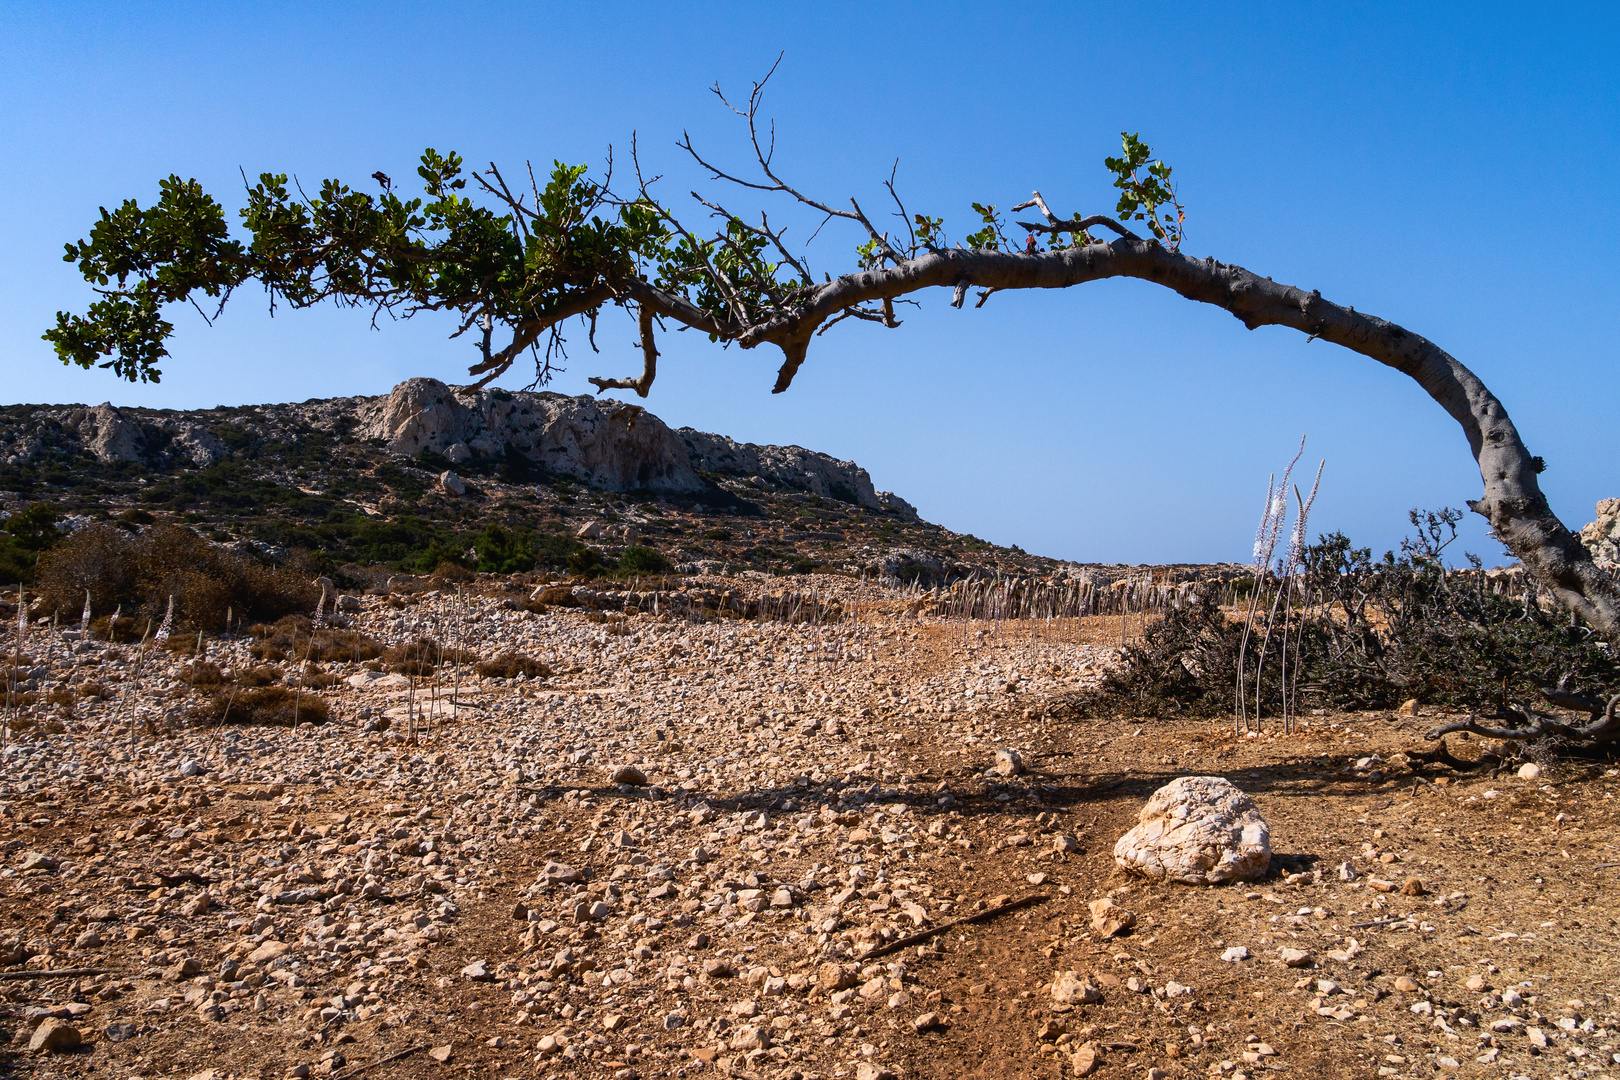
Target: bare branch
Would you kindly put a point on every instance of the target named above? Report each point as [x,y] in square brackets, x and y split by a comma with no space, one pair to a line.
[649,355]
[1079,225]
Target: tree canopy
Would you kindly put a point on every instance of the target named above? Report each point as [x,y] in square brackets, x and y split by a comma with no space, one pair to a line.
[523,259]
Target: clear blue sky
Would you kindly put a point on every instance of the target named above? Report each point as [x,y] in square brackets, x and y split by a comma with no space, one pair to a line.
[1451,167]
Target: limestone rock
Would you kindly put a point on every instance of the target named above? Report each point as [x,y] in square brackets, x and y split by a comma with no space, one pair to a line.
[1602,537]
[1008,763]
[1108,919]
[629,774]
[1072,988]
[452,484]
[602,442]
[791,467]
[1198,830]
[54,1036]
[107,433]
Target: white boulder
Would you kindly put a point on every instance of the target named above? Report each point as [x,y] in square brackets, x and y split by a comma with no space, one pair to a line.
[1198,830]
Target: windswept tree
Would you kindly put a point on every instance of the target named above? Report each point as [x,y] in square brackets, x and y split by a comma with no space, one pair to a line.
[515,261]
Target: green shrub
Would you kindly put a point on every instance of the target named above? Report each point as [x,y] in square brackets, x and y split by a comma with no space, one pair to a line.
[642,560]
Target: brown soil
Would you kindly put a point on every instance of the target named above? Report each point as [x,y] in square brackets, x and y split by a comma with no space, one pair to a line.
[1518,890]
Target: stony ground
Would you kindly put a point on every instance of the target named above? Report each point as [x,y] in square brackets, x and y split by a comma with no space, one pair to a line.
[471,890]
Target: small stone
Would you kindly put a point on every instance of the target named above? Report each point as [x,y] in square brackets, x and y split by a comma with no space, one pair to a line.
[867,1070]
[1413,887]
[1538,1038]
[1008,763]
[748,1037]
[191,768]
[1294,958]
[673,1020]
[1475,983]
[1235,954]
[1409,707]
[185,969]
[1085,1060]
[1529,771]
[716,968]
[119,1032]
[1071,988]
[782,898]
[928,1020]
[1065,845]
[629,774]
[452,484]
[54,1036]
[477,971]
[267,951]
[833,977]
[1347,872]
[38,860]
[1407,985]
[441,1054]
[1108,919]
[599,911]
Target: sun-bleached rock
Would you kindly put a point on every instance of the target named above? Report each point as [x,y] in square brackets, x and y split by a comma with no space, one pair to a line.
[1198,830]
[1602,536]
[791,467]
[604,443]
[107,433]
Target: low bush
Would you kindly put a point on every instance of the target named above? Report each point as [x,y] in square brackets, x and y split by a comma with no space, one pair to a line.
[642,560]
[509,665]
[275,705]
[294,638]
[422,657]
[1367,634]
[140,573]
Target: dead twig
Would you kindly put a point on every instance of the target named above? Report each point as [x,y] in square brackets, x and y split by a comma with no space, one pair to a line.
[924,935]
[1386,921]
[59,973]
[357,1070]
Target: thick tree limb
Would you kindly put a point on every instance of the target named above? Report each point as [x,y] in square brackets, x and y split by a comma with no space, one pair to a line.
[1512,501]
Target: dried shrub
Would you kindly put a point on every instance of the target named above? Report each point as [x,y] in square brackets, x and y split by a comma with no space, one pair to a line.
[61,695]
[123,628]
[94,689]
[277,705]
[449,573]
[509,665]
[1365,634]
[259,676]
[140,573]
[202,673]
[293,638]
[422,657]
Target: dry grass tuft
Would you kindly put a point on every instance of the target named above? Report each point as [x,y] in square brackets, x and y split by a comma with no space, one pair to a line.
[259,676]
[291,638]
[202,673]
[276,705]
[509,665]
[422,657]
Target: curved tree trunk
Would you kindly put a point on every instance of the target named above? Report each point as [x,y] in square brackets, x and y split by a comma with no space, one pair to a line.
[1512,500]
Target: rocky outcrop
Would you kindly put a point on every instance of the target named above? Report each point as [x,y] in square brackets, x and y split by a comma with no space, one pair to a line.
[1198,830]
[1602,537]
[791,467]
[603,443]
[107,434]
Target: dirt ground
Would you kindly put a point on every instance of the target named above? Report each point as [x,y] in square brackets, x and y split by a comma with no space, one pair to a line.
[1493,951]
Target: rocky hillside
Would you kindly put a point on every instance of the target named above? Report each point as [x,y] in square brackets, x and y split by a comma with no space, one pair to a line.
[493,480]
